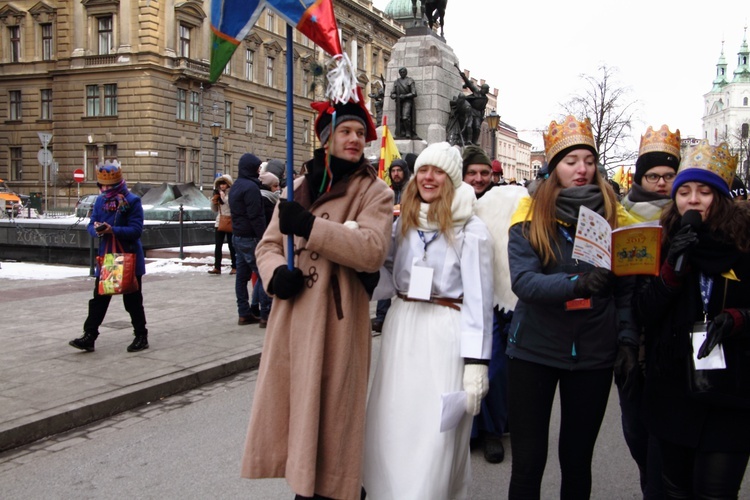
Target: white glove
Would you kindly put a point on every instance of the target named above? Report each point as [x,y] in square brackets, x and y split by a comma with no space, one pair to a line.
[476,385]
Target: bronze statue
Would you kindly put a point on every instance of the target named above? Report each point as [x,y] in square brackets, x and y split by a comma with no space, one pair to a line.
[378,97]
[433,9]
[478,101]
[404,92]
[458,130]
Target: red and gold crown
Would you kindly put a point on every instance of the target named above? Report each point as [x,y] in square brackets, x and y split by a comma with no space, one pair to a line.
[108,174]
[570,132]
[717,160]
[660,141]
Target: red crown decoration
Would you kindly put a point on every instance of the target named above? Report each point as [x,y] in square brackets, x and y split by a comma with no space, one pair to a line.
[570,132]
[660,141]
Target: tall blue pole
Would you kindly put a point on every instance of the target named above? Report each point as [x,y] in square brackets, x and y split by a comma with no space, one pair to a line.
[290,132]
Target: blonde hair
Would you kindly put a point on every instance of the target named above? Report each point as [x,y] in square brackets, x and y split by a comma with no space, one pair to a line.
[542,230]
[440,211]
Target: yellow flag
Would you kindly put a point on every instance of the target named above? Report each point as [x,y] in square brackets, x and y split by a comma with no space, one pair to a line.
[388,153]
[618,176]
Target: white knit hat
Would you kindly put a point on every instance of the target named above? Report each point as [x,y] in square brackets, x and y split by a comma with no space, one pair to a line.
[445,157]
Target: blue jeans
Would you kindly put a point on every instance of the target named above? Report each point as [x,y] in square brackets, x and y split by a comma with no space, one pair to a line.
[244,248]
[261,298]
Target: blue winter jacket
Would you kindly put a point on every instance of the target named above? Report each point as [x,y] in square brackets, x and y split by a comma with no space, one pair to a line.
[127,227]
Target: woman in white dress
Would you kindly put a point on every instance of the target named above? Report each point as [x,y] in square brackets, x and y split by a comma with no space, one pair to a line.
[432,345]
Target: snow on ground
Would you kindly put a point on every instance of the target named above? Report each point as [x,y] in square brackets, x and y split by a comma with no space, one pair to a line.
[34,271]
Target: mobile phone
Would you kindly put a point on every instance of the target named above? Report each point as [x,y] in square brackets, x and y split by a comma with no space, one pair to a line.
[101,228]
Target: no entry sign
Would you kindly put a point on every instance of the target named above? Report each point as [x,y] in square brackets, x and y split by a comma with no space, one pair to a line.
[78,175]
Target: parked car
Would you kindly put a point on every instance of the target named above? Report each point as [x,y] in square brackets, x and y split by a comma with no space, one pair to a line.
[11,201]
[85,204]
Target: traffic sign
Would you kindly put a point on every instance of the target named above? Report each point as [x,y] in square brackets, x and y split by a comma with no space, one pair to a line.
[78,175]
[45,137]
[45,157]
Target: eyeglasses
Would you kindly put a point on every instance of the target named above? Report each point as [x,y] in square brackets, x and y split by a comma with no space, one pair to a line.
[654,178]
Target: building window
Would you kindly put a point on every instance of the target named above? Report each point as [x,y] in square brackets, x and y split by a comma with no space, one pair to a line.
[195,107]
[180,167]
[46,104]
[181,104]
[14,110]
[184,41]
[110,99]
[306,83]
[110,152]
[269,71]
[16,164]
[305,131]
[270,20]
[744,101]
[47,47]
[228,68]
[195,169]
[249,58]
[249,118]
[744,131]
[105,34]
[227,169]
[227,115]
[15,43]
[92,100]
[270,124]
[92,160]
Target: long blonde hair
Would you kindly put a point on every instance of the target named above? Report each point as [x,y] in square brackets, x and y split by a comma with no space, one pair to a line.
[542,229]
[440,211]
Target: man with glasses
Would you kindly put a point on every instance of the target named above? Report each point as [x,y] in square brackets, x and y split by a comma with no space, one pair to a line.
[655,171]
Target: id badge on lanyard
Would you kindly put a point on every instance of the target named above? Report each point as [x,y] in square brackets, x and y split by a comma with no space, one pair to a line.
[715,360]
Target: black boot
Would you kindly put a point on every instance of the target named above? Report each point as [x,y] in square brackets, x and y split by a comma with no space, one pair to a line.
[85,343]
[139,343]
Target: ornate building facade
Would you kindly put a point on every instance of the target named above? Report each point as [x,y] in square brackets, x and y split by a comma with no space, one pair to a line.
[128,79]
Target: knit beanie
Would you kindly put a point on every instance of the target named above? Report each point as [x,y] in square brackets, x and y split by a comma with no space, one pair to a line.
[109,174]
[474,155]
[268,179]
[647,161]
[497,167]
[445,157]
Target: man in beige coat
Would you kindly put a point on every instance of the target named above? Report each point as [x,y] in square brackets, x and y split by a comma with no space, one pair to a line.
[307,419]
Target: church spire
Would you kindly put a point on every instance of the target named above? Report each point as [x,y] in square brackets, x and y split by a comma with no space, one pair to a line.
[742,73]
[721,72]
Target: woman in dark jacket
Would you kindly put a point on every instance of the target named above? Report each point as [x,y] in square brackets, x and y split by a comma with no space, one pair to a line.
[704,285]
[568,320]
[117,214]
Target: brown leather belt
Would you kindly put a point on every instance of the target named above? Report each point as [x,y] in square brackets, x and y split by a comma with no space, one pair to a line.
[441,301]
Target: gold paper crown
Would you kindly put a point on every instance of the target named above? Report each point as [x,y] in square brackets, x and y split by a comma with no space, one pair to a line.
[660,141]
[108,174]
[715,159]
[569,133]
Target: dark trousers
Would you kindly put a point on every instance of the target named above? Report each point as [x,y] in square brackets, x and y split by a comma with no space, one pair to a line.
[382,309]
[219,238]
[99,304]
[492,420]
[583,401]
[689,473]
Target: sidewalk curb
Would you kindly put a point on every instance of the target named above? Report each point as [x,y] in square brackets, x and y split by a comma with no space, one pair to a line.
[25,430]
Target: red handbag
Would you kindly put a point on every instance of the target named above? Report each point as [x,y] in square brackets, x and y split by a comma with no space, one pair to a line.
[116,270]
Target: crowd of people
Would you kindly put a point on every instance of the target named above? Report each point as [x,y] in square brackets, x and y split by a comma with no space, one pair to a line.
[483,306]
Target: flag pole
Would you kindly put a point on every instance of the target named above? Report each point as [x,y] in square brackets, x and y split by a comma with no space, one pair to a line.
[381,163]
[290,132]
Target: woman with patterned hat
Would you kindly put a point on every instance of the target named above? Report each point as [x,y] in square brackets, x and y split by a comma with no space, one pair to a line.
[437,337]
[308,414]
[117,214]
[569,319]
[703,291]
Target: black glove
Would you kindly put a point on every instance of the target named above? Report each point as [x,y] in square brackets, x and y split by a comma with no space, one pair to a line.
[627,370]
[596,283]
[681,243]
[724,325]
[286,283]
[369,281]
[294,219]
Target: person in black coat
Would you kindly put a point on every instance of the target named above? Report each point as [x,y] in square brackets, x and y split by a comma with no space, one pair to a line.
[704,285]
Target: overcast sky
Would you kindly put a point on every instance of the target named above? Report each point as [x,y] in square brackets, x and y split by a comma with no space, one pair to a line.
[665,51]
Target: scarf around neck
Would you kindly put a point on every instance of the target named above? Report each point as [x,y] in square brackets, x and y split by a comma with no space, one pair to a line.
[114,197]
[461,209]
[570,200]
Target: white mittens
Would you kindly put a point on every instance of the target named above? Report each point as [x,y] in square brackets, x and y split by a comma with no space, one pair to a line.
[476,385]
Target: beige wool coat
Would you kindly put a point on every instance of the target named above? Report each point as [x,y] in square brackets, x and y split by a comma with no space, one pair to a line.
[307,418]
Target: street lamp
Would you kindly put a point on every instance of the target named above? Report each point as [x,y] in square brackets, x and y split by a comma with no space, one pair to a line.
[215,132]
[493,119]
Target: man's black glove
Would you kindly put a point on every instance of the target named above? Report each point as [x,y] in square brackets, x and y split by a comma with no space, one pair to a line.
[294,219]
[685,239]
[596,283]
[369,281]
[286,283]
[627,370]
[727,323]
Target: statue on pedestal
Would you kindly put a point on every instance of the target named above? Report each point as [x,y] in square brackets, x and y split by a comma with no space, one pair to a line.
[378,97]
[478,101]
[433,9]
[458,130]
[404,92]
